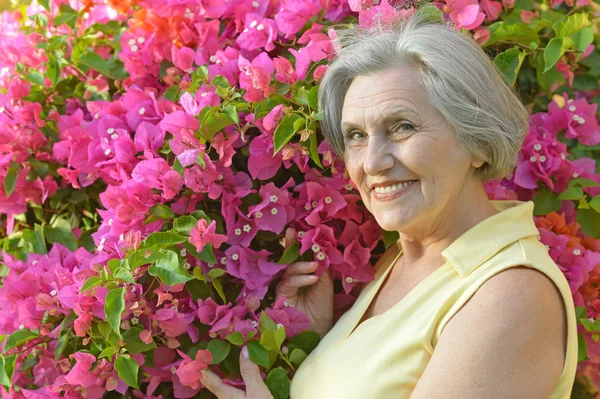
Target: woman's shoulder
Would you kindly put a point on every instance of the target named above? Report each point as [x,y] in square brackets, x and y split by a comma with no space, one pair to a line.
[517,318]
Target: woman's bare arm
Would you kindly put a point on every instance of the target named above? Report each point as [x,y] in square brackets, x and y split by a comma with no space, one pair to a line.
[507,341]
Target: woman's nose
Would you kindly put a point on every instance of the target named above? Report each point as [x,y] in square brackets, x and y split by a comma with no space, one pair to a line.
[379,156]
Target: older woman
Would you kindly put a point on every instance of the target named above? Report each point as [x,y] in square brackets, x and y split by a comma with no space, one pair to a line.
[469,304]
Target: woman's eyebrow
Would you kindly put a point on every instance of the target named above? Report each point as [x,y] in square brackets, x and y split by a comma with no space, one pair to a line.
[393,116]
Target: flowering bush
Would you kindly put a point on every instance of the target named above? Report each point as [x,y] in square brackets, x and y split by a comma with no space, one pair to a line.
[162,164]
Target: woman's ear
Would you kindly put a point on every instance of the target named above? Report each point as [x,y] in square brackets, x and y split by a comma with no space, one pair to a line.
[477,163]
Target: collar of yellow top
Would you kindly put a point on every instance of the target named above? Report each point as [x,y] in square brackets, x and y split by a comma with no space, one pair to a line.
[486,239]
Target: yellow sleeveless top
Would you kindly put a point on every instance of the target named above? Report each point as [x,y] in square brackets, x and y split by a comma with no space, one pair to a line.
[386,354]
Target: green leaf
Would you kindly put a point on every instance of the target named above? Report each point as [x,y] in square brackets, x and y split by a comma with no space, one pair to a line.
[107,352]
[61,233]
[91,283]
[571,193]
[35,77]
[168,270]
[94,61]
[232,112]
[266,323]
[574,23]
[161,211]
[583,182]
[124,274]
[66,15]
[267,340]
[297,356]
[588,324]
[10,181]
[585,83]
[555,49]
[307,341]
[545,202]
[54,71]
[133,342]
[265,106]
[290,255]
[219,350]
[114,307]
[278,383]
[589,221]
[36,242]
[216,273]
[45,4]
[580,312]
[19,338]
[389,238]
[313,97]
[279,335]
[314,150]
[595,203]
[581,348]
[4,378]
[235,338]
[61,344]
[285,131]
[258,354]
[219,288]
[163,240]
[509,62]
[127,369]
[582,39]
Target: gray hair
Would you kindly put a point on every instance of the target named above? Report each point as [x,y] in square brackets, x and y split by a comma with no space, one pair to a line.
[460,80]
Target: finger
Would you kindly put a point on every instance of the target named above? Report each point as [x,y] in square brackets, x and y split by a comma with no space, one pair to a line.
[300,268]
[255,386]
[288,287]
[213,383]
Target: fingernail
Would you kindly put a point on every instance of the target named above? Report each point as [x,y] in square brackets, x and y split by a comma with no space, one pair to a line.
[313,277]
[245,352]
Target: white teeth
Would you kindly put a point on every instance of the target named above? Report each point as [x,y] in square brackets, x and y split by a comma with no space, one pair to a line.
[393,187]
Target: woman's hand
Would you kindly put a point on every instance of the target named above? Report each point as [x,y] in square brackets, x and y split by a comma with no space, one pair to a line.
[255,386]
[316,302]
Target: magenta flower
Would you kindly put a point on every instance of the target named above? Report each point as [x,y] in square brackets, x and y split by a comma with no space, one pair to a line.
[201,235]
[259,32]
[275,209]
[255,77]
[190,371]
[80,374]
[465,13]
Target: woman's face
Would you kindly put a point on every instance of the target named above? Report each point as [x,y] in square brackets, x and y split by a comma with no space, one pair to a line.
[395,139]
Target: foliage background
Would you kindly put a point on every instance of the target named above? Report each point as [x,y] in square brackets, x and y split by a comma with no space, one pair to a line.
[161,164]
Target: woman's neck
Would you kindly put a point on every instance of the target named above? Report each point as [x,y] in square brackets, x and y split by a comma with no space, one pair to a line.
[462,214]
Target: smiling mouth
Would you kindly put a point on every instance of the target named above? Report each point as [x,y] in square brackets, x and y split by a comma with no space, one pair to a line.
[394,187]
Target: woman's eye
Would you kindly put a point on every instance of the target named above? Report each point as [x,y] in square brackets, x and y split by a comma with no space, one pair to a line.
[404,126]
[354,135]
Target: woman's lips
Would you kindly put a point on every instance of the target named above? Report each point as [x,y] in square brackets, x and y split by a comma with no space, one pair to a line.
[389,196]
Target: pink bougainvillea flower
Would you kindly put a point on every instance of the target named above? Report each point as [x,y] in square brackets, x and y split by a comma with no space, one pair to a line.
[157,174]
[201,235]
[275,209]
[578,117]
[190,371]
[465,13]
[383,13]
[258,33]
[183,58]
[80,374]
[255,77]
